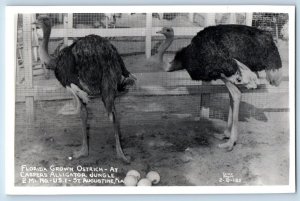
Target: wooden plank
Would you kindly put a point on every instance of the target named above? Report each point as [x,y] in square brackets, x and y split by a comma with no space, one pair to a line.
[29,105]
[69,27]
[232,19]
[148,35]
[177,79]
[18,52]
[27,53]
[205,98]
[210,19]
[165,79]
[119,32]
[60,33]
[249,17]
[53,91]
[41,94]
[70,21]
[65,30]
[35,40]
[191,17]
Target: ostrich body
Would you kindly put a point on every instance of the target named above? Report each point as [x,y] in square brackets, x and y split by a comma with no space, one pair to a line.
[234,54]
[91,66]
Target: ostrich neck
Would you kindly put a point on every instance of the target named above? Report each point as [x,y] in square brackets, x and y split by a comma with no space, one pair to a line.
[46,37]
[163,47]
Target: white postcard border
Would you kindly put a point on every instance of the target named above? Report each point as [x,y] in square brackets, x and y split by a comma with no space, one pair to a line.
[10,100]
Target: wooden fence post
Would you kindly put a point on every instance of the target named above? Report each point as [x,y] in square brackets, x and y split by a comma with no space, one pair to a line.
[35,40]
[60,17]
[65,30]
[249,17]
[19,52]
[210,19]
[27,55]
[232,19]
[68,24]
[204,103]
[191,17]
[148,35]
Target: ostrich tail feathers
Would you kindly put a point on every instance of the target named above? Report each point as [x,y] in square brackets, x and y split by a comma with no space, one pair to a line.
[274,76]
[127,83]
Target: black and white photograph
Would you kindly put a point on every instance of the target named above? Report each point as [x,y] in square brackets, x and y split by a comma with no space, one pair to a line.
[168,100]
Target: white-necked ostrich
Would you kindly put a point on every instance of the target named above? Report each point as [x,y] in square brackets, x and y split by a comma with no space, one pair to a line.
[157,60]
[91,66]
[234,54]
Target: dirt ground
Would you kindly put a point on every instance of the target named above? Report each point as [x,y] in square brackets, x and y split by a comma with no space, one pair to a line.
[161,134]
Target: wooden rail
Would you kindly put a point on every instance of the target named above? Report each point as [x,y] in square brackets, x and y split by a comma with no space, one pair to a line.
[119,32]
[150,84]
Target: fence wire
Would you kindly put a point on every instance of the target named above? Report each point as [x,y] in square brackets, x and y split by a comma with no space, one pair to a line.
[132,49]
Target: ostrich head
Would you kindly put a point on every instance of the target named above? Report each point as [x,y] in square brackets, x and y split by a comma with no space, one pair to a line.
[168,32]
[178,61]
[43,21]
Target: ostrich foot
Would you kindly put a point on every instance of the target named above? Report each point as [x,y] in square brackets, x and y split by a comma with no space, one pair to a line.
[121,155]
[227,145]
[223,136]
[83,152]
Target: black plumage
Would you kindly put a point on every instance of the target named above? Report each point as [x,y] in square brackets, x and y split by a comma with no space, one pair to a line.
[213,50]
[91,63]
[234,54]
[91,66]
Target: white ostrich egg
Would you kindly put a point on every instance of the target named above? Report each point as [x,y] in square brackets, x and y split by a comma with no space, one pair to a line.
[153,176]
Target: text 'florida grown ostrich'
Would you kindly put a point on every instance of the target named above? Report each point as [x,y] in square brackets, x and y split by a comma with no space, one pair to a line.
[91,66]
[234,54]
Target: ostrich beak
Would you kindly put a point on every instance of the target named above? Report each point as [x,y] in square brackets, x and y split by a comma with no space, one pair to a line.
[37,25]
[160,32]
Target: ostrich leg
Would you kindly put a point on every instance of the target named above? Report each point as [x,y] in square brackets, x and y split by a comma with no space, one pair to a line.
[227,132]
[84,151]
[46,72]
[112,114]
[229,121]
[113,117]
[235,95]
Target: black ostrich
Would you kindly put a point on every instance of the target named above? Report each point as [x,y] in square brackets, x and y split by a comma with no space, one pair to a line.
[234,54]
[91,66]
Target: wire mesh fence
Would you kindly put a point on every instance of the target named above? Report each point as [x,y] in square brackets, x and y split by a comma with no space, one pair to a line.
[271,22]
[164,87]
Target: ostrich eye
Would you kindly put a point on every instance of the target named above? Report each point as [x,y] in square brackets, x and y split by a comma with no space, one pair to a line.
[168,29]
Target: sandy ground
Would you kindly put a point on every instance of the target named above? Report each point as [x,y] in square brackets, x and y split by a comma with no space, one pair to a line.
[162,134]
